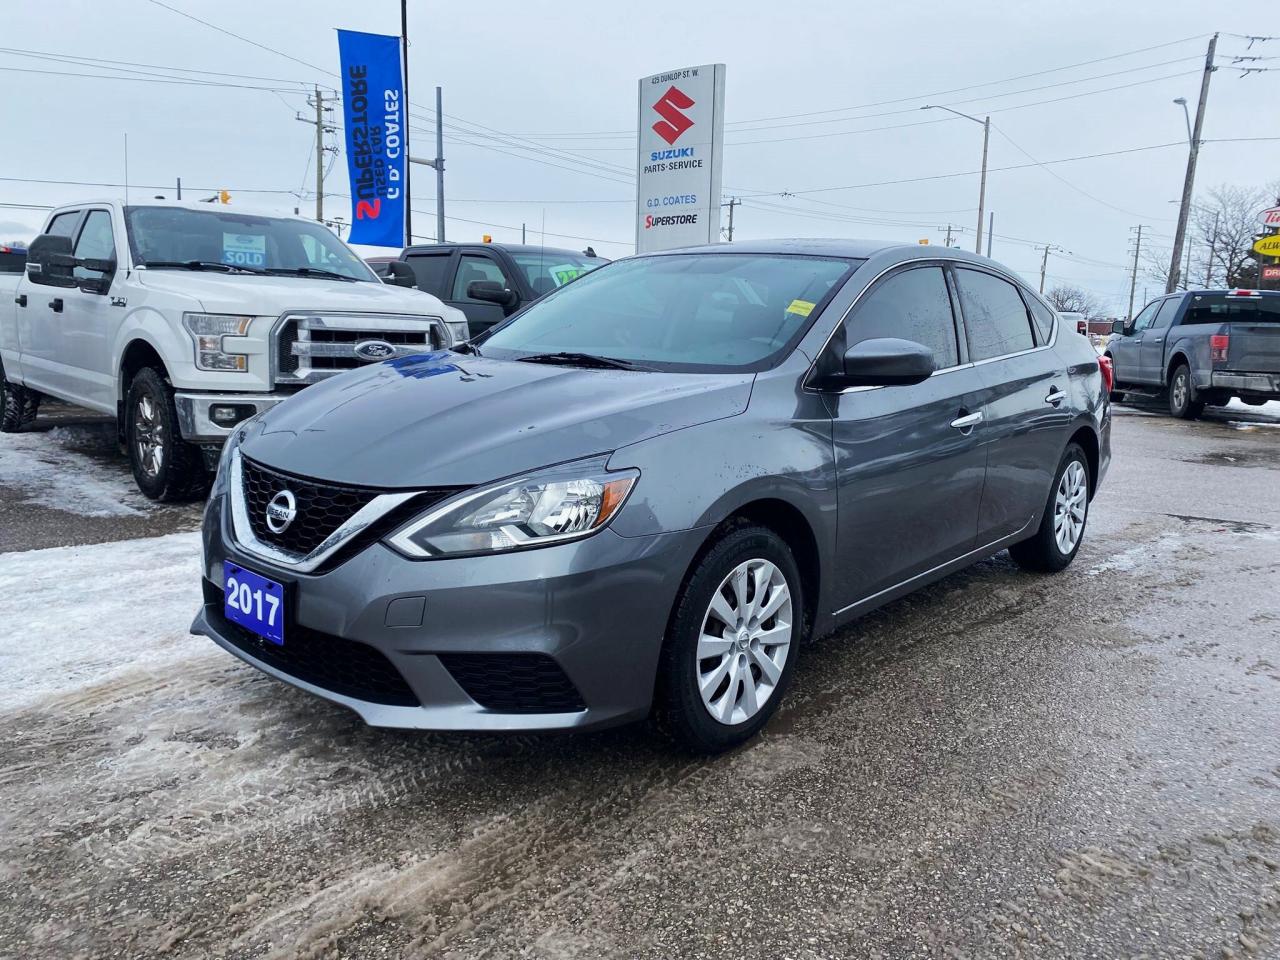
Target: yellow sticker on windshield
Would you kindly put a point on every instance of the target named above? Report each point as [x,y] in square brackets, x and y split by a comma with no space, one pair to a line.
[801,307]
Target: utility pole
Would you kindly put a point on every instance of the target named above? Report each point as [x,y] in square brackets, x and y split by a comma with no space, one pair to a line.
[948,240]
[1188,184]
[1044,262]
[1133,279]
[404,123]
[522,239]
[982,187]
[438,165]
[317,100]
[179,188]
[991,229]
[731,203]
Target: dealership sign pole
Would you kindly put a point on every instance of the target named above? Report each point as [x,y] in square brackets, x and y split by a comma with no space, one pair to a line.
[373,108]
[681,140]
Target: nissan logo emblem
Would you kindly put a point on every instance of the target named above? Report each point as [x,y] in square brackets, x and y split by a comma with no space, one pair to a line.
[281,511]
[371,351]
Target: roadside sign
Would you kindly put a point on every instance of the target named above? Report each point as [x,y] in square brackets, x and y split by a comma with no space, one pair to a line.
[1270,217]
[1271,273]
[681,139]
[1268,246]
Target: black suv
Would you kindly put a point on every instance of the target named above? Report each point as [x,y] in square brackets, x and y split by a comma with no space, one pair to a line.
[490,281]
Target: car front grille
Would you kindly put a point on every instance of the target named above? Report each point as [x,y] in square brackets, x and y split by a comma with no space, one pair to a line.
[310,348]
[342,666]
[322,507]
[514,682]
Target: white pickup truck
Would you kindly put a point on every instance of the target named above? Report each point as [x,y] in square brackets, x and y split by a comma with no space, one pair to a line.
[183,319]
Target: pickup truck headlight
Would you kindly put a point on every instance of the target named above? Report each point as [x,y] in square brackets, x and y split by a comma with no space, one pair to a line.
[208,331]
[551,506]
[458,331]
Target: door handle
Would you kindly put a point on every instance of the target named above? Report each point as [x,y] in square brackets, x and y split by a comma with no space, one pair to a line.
[1055,396]
[20,299]
[968,421]
[1136,340]
[1158,340]
[56,304]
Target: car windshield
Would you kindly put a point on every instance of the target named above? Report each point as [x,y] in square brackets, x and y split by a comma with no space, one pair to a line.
[720,311]
[549,269]
[205,239]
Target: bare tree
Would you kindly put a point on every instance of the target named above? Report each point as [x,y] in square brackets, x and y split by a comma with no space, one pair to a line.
[1224,227]
[1068,299]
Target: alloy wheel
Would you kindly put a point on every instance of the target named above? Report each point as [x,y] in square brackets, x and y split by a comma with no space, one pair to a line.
[745,637]
[1180,391]
[148,436]
[1070,505]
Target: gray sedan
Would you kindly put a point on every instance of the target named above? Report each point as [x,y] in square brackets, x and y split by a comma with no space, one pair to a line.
[642,494]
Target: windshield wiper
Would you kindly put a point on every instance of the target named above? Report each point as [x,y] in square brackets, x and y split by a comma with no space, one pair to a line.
[307,272]
[571,359]
[466,346]
[196,265]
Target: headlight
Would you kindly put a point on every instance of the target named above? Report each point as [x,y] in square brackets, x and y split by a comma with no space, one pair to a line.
[551,506]
[208,331]
[458,331]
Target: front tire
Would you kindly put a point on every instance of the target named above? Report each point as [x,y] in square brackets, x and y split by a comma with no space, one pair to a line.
[1061,530]
[731,643]
[165,466]
[1183,402]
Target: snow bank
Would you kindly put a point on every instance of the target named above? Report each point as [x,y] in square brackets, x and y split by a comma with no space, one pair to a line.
[44,468]
[74,616]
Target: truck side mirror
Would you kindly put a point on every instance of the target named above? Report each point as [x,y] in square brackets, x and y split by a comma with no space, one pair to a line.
[100,284]
[399,274]
[1118,327]
[50,262]
[491,291]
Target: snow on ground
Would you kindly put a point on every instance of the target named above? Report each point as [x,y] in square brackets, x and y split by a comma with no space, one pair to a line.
[48,470]
[74,616]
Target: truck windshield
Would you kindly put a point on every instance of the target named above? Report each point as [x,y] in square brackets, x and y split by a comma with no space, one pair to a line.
[548,270]
[688,312]
[204,239]
[1224,308]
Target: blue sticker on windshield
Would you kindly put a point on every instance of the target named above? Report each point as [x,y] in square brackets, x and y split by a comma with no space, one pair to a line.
[244,249]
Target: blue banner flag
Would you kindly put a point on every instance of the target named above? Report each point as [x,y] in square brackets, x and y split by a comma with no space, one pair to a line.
[373,109]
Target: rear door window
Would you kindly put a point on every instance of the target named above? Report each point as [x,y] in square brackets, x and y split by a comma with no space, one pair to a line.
[430,271]
[1224,308]
[995,317]
[911,305]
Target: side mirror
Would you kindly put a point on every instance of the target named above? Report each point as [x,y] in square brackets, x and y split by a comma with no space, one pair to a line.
[1118,327]
[883,362]
[491,291]
[50,262]
[99,285]
[399,274]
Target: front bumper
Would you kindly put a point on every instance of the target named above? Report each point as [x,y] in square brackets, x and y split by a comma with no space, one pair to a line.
[1261,384]
[597,608]
[198,426]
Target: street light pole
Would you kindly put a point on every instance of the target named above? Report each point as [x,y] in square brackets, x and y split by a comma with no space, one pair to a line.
[1188,184]
[982,184]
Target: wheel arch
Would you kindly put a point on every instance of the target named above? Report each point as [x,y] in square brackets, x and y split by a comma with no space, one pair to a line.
[1087,438]
[1178,356]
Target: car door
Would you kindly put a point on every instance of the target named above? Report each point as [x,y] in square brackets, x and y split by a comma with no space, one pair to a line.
[473,266]
[1025,418]
[41,323]
[89,319]
[431,271]
[909,459]
[1151,349]
[1124,348]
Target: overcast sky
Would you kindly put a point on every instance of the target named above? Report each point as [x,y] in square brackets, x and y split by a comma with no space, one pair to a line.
[563,79]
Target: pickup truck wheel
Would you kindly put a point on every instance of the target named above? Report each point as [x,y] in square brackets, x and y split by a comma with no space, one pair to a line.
[731,644]
[1061,530]
[165,466]
[1183,402]
[18,405]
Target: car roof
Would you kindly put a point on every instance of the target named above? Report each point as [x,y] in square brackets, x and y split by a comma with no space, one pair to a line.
[198,205]
[860,249]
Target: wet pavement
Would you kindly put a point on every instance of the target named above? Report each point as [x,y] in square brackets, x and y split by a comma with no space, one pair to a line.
[1000,765]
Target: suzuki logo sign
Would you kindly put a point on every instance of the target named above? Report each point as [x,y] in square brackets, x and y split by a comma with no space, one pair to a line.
[680,133]
[673,122]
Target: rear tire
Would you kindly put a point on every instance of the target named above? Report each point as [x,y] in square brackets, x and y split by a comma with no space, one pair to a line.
[165,466]
[1062,526]
[744,665]
[1183,401]
[18,405]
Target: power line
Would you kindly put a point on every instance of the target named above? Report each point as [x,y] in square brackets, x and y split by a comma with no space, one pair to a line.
[175,80]
[252,43]
[104,63]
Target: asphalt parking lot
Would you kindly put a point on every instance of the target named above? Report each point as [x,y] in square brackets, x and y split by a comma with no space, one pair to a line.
[1001,765]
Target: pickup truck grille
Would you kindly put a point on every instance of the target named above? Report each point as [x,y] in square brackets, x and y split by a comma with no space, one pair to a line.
[312,347]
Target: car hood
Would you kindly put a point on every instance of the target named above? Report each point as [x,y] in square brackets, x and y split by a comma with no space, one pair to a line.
[445,419]
[272,296]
